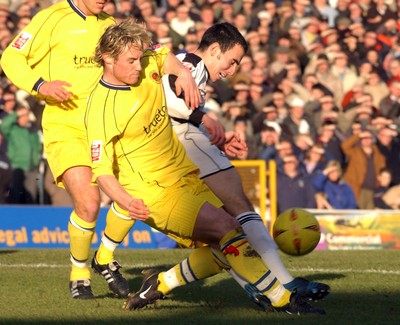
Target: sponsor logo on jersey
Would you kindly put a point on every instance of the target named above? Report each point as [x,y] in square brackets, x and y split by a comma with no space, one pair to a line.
[96,149]
[157,121]
[22,40]
[155,76]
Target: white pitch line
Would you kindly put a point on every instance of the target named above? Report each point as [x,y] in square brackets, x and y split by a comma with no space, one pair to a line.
[312,270]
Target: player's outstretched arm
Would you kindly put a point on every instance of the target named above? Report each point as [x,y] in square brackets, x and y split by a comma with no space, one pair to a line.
[114,190]
[184,82]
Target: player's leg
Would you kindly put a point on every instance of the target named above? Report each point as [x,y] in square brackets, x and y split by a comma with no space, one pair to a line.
[224,180]
[200,264]
[81,227]
[117,228]
[227,185]
[172,214]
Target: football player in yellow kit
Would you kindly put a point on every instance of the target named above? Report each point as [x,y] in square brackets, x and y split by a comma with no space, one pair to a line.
[52,58]
[140,164]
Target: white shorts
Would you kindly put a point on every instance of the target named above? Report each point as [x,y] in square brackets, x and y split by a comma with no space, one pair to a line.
[207,157]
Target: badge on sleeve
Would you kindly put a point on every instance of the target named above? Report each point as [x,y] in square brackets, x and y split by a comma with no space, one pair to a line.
[22,40]
[96,149]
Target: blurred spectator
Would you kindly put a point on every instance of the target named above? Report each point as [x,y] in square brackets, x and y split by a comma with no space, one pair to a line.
[268,139]
[383,193]
[376,87]
[279,61]
[315,159]
[364,163]
[330,139]
[344,72]
[325,108]
[211,105]
[258,77]
[182,22]
[393,70]
[24,152]
[333,192]
[384,183]
[324,9]
[240,22]
[227,11]
[261,60]
[361,110]
[297,122]
[243,74]
[8,103]
[268,116]
[388,144]
[5,171]
[242,125]
[282,108]
[310,33]
[247,10]
[300,14]
[378,13]
[371,42]
[110,7]
[355,13]
[322,70]
[293,188]
[278,152]
[389,106]
[207,16]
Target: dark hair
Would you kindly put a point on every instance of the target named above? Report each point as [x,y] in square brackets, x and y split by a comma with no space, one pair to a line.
[225,34]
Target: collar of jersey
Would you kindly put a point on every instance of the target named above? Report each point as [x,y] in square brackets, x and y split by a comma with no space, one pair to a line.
[115,87]
[76,9]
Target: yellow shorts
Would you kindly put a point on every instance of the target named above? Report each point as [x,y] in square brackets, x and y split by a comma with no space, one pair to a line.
[175,212]
[65,140]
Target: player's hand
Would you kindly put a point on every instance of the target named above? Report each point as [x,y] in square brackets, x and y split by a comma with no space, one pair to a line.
[56,90]
[215,129]
[234,146]
[138,210]
[186,84]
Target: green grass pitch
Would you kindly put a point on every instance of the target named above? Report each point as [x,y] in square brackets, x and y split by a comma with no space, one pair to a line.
[34,290]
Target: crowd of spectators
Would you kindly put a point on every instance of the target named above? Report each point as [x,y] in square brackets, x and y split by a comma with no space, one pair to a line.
[318,91]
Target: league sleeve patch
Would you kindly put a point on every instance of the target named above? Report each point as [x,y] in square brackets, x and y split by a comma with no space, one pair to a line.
[22,40]
[156,47]
[96,149]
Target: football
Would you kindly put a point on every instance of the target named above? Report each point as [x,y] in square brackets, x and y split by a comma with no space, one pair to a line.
[296,232]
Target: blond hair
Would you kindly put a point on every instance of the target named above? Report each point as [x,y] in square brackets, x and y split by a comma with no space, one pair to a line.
[118,37]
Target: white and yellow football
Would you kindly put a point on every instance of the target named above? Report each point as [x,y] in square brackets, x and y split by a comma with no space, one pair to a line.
[296,232]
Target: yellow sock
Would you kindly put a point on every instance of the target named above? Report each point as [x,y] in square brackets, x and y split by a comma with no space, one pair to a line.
[80,234]
[248,264]
[117,227]
[200,264]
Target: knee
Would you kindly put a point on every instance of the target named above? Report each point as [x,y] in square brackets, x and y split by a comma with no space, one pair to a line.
[88,210]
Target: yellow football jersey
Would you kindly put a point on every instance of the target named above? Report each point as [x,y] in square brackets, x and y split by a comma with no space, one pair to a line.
[58,44]
[131,136]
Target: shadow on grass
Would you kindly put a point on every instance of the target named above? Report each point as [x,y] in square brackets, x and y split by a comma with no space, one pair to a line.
[8,251]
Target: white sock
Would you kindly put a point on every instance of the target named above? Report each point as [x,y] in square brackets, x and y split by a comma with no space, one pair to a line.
[260,239]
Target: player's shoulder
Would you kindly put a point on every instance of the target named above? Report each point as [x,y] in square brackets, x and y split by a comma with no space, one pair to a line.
[189,58]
